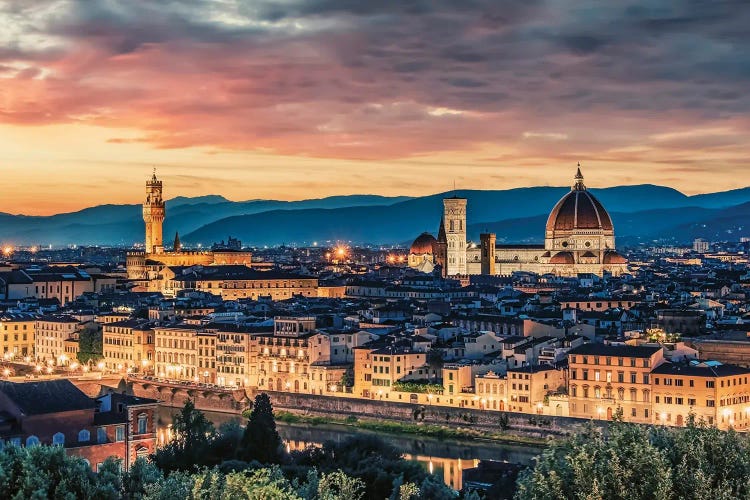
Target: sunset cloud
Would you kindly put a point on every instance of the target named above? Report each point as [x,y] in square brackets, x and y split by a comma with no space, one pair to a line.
[532,83]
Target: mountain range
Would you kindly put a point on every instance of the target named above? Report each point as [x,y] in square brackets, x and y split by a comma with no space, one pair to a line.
[640,213]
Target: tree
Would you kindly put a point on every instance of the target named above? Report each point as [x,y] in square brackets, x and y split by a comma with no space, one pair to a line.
[435,361]
[193,437]
[337,485]
[261,441]
[625,466]
[141,474]
[90,347]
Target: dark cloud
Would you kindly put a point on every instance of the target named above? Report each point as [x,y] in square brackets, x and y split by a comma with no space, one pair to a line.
[302,75]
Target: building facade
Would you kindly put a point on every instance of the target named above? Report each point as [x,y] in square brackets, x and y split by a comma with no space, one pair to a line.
[146,265]
[579,238]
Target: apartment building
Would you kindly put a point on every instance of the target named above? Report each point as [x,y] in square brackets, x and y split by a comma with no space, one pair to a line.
[716,393]
[17,335]
[176,349]
[50,334]
[604,378]
[128,346]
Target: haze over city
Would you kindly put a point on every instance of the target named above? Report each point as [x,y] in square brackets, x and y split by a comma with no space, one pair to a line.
[292,100]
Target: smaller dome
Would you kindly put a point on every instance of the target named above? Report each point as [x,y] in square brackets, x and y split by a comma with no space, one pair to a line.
[612,257]
[423,244]
[562,258]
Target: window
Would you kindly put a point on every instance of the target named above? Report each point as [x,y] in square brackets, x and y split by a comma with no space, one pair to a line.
[101,435]
[691,402]
[120,433]
[58,439]
[142,423]
[710,384]
[84,436]
[32,441]
[710,403]
[678,382]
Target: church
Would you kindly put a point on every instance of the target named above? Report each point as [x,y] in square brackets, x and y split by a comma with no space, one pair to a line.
[579,238]
[148,264]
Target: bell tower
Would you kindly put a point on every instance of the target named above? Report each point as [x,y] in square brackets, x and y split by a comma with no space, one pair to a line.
[153,215]
[454,217]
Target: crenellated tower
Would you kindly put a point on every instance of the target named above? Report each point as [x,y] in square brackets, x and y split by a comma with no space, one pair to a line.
[153,215]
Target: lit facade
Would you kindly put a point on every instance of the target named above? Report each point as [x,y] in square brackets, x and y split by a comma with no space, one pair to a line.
[606,378]
[147,265]
[17,335]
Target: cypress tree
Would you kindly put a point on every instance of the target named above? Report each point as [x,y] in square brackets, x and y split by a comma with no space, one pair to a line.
[260,440]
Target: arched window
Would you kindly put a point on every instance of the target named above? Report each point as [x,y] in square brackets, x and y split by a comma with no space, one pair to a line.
[142,423]
[32,441]
[58,439]
[84,436]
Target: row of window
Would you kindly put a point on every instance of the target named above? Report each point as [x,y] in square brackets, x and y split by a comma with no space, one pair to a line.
[608,376]
[596,360]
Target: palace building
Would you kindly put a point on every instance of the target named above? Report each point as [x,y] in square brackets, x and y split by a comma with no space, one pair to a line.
[579,238]
[147,265]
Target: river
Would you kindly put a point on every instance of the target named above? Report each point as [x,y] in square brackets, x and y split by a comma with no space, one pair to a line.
[445,457]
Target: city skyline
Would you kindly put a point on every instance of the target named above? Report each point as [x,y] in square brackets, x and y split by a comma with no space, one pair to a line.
[300,100]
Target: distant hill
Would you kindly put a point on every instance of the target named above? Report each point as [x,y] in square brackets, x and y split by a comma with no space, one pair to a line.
[123,224]
[516,215]
[637,211]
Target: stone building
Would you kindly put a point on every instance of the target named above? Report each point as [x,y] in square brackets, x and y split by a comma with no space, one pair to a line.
[716,393]
[604,378]
[579,238]
[50,333]
[56,412]
[146,265]
[17,335]
[128,346]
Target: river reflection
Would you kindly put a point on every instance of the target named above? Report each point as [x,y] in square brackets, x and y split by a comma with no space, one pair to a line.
[444,457]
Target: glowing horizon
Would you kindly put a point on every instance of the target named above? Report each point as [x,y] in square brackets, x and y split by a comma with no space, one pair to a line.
[311,99]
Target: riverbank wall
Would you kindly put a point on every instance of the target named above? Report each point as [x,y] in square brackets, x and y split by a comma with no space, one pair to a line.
[337,408]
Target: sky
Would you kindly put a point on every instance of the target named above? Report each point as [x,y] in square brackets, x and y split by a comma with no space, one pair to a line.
[298,99]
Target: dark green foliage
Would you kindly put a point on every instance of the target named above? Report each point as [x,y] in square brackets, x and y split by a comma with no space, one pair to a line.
[639,462]
[46,472]
[261,441]
[191,446]
[379,465]
[90,347]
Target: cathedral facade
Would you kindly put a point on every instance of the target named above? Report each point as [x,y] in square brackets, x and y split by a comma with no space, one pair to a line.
[147,265]
[579,238]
